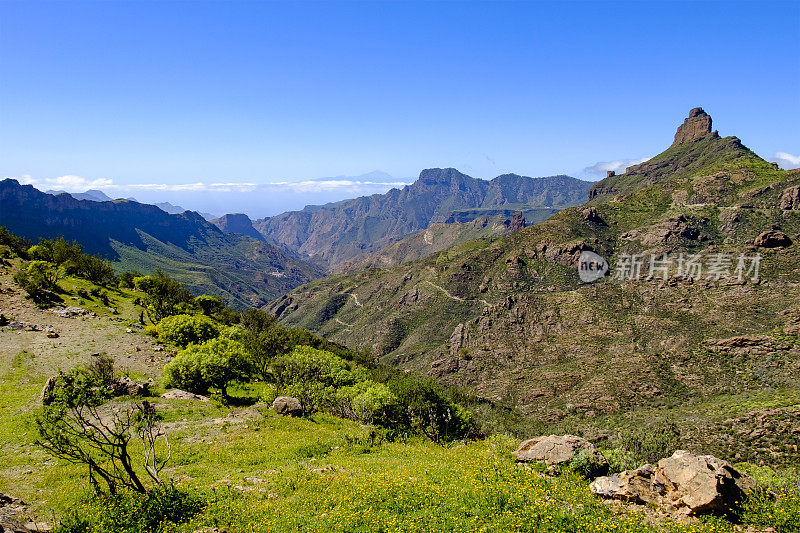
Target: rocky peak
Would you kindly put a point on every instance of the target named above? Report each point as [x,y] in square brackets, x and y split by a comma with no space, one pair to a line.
[695,127]
[516,223]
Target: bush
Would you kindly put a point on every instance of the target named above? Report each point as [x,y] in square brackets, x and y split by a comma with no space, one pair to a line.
[648,446]
[369,402]
[39,279]
[89,267]
[215,363]
[210,305]
[125,280]
[183,330]
[17,245]
[587,464]
[163,296]
[309,365]
[56,251]
[132,512]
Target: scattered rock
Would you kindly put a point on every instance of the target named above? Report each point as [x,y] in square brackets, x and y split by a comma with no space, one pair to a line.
[555,450]
[11,510]
[772,239]
[286,405]
[125,386]
[177,394]
[71,312]
[684,484]
[15,324]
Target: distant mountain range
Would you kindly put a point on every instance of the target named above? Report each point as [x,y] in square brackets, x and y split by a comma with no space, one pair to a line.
[335,233]
[144,237]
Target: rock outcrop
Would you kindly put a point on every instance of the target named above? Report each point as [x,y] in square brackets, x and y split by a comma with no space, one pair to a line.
[696,126]
[286,405]
[790,200]
[685,484]
[517,222]
[772,239]
[555,450]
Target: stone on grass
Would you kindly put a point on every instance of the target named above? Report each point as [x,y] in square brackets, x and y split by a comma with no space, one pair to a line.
[286,405]
[555,450]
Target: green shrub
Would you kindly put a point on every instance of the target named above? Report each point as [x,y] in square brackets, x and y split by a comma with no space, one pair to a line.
[648,446]
[183,330]
[587,464]
[57,251]
[309,365]
[163,296]
[89,267]
[210,305]
[16,245]
[215,363]
[125,279]
[39,279]
[158,510]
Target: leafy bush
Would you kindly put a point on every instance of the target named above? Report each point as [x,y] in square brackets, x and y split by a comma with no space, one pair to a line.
[57,251]
[306,365]
[183,330]
[367,401]
[215,363]
[132,512]
[39,279]
[209,304]
[647,446]
[125,279]
[587,464]
[89,267]
[163,296]
[17,245]
[263,347]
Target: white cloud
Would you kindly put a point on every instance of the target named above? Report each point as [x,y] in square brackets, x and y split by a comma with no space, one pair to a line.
[312,186]
[69,183]
[786,160]
[601,167]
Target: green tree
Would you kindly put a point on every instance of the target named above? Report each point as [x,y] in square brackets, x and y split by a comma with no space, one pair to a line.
[163,296]
[209,304]
[39,279]
[215,363]
[183,330]
[263,347]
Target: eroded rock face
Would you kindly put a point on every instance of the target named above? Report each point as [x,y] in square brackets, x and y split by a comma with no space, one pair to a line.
[555,449]
[772,239]
[695,127]
[685,483]
[790,200]
[286,405]
[517,222]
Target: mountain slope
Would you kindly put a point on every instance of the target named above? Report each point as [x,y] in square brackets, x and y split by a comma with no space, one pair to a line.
[142,236]
[337,232]
[510,318]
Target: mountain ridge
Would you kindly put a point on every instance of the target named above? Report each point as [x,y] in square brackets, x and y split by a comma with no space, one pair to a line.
[144,237]
[339,231]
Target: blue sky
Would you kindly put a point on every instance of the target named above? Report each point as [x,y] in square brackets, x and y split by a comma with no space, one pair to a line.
[166,96]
